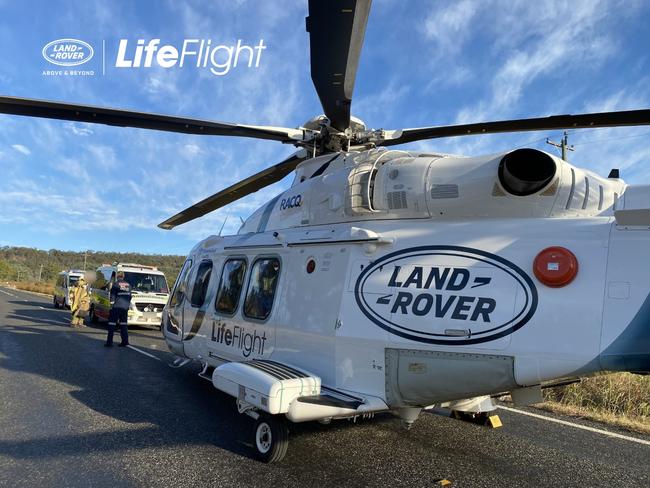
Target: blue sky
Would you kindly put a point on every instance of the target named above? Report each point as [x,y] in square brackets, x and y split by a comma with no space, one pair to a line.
[77,186]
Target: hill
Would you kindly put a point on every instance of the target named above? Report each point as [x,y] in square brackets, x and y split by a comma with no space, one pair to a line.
[29,264]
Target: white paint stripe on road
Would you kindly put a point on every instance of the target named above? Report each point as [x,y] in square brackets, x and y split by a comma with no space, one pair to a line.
[55,322]
[578,426]
[7,293]
[143,352]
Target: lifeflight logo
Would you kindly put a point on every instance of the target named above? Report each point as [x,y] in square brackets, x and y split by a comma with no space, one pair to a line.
[200,53]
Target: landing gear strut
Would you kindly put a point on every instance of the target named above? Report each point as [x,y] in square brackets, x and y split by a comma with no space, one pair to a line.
[479,410]
[271,438]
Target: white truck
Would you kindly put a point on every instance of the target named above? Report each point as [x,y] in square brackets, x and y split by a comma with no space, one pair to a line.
[149,288]
[63,287]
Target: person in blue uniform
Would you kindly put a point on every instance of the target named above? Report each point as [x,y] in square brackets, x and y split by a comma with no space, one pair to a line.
[120,302]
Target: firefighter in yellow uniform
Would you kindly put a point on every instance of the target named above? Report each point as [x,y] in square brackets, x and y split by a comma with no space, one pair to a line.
[80,303]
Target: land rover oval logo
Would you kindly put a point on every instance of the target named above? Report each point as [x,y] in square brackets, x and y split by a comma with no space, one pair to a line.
[449,295]
[68,52]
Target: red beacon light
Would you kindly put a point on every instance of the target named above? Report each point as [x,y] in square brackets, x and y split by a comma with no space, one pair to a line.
[555,266]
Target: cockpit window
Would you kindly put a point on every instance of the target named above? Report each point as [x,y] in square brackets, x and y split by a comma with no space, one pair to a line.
[201,283]
[181,284]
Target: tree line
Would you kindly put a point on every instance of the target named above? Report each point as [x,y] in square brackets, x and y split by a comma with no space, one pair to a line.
[29,264]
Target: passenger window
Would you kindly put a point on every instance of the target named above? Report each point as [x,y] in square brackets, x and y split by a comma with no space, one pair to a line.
[181,284]
[201,282]
[232,281]
[261,288]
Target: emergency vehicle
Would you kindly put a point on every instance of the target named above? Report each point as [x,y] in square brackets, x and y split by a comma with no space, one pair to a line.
[65,281]
[149,288]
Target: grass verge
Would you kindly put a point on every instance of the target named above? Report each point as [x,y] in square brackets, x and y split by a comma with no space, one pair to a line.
[45,288]
[631,424]
[620,399]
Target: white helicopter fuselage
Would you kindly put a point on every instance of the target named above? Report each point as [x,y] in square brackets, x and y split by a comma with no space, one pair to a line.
[409,279]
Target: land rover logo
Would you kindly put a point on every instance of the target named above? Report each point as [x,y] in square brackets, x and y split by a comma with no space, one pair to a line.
[68,52]
[446,295]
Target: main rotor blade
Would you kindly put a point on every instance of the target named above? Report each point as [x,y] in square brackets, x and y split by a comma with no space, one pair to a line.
[239,190]
[554,122]
[336,30]
[141,120]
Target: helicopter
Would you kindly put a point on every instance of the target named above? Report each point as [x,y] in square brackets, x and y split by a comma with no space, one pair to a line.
[385,280]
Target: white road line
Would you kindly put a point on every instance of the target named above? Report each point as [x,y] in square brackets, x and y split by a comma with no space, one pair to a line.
[7,293]
[55,322]
[143,352]
[578,426]
[42,308]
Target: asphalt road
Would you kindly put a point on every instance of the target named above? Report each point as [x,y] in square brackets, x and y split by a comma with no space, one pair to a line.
[73,413]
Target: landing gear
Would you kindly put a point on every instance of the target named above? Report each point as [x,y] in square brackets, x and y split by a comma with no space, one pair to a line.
[271,438]
[478,410]
[55,303]
[489,419]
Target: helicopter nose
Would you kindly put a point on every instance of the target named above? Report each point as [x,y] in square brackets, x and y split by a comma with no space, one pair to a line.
[630,351]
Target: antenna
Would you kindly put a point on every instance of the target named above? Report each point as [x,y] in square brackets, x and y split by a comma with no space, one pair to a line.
[222,225]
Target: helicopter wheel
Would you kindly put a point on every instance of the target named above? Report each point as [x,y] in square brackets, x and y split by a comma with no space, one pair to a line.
[488,419]
[271,438]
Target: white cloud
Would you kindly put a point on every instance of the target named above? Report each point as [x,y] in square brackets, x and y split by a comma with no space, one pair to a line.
[450,25]
[536,54]
[21,149]
[72,168]
[454,75]
[54,212]
[102,156]
[629,99]
[163,82]
[193,149]
[79,130]
[381,105]
[549,52]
